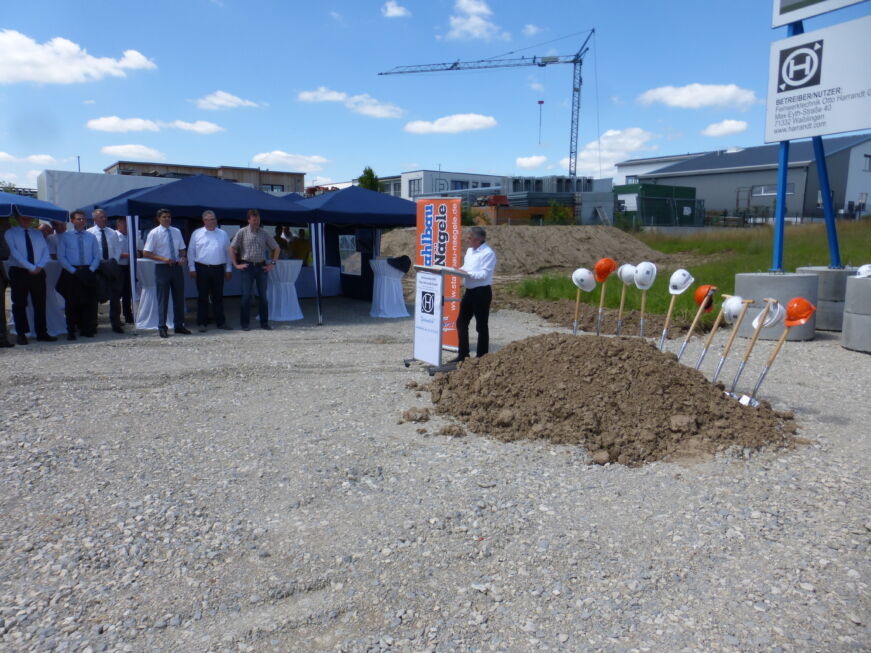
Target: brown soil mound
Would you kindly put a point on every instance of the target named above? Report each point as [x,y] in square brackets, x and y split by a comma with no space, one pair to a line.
[523,250]
[621,398]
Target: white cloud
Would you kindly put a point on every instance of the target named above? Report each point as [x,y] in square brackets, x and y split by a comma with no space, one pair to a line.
[725,127]
[297,162]
[460,122]
[116,124]
[534,161]
[198,126]
[393,9]
[696,96]
[336,16]
[89,102]
[531,30]
[37,159]
[223,100]
[133,152]
[59,61]
[615,145]
[363,104]
[536,86]
[473,22]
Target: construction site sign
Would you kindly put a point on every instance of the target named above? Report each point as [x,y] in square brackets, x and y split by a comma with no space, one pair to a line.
[439,239]
[791,11]
[820,83]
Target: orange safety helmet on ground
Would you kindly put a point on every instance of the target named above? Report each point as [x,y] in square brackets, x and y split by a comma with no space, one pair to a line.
[603,268]
[798,311]
[702,296]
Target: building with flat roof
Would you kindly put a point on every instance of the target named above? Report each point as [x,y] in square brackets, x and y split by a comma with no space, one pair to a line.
[271,181]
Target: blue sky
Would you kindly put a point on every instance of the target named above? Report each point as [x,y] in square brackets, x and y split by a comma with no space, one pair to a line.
[294,86]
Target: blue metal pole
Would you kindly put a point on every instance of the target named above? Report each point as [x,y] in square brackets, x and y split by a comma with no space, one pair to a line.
[792,29]
[828,209]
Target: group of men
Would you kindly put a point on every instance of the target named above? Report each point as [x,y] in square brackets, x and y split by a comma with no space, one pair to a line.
[94,267]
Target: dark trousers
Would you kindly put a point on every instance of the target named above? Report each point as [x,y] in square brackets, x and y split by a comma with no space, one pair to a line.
[169,279]
[254,273]
[127,295]
[475,303]
[3,286]
[210,288]
[23,285]
[80,302]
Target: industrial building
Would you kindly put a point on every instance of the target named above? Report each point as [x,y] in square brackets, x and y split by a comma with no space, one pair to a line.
[271,181]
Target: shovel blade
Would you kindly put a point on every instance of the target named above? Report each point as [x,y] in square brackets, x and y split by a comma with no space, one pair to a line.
[719,369]
[575,328]
[737,376]
[701,357]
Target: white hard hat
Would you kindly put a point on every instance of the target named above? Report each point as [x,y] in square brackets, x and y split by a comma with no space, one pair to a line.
[626,273]
[775,315]
[584,279]
[732,308]
[680,280]
[864,270]
[645,274]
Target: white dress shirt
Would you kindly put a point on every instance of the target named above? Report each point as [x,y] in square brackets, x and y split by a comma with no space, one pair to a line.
[480,264]
[78,248]
[111,240]
[18,248]
[158,242]
[209,248]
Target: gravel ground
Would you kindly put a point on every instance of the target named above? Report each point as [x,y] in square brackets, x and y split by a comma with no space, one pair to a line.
[255,492]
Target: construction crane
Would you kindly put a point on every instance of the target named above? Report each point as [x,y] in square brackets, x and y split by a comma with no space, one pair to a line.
[576,59]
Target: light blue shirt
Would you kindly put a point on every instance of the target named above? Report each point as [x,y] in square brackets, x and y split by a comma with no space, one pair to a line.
[78,248]
[18,248]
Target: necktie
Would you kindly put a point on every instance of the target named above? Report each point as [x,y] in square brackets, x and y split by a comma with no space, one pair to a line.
[29,245]
[105,243]
[80,238]
[172,252]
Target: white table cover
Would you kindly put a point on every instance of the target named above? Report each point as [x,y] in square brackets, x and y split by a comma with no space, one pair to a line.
[388,299]
[146,314]
[55,318]
[281,291]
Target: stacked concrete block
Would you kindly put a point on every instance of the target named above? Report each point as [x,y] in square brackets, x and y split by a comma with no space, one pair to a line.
[782,287]
[830,295]
[856,332]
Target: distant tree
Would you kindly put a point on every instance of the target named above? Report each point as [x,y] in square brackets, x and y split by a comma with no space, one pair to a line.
[7,186]
[558,214]
[369,180]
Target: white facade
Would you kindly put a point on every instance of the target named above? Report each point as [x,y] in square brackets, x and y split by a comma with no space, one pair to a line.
[633,168]
[858,188]
[428,182]
[72,190]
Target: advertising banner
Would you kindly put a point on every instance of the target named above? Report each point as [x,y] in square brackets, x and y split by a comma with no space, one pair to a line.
[428,318]
[438,242]
[791,11]
[820,83]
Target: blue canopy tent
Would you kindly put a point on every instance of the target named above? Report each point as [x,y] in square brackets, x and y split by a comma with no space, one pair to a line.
[30,207]
[358,211]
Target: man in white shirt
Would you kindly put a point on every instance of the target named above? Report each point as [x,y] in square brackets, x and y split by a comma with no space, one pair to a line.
[479,263]
[109,273]
[209,263]
[52,240]
[126,288]
[166,247]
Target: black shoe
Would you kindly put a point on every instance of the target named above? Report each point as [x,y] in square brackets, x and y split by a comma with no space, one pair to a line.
[182,330]
[202,328]
[458,359]
[4,342]
[129,320]
[46,338]
[266,327]
[21,339]
[118,329]
[163,332]
[225,327]
[246,328]
[89,334]
[71,335]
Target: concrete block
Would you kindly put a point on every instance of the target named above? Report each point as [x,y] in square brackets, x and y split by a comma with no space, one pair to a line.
[829,315]
[856,332]
[782,287]
[857,299]
[832,283]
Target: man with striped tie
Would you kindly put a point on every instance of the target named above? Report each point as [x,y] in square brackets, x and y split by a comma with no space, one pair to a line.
[165,246]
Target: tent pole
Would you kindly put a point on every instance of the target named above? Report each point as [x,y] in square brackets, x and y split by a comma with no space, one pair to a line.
[316,263]
[132,242]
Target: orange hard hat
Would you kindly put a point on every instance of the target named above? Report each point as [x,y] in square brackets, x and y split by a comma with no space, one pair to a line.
[603,268]
[798,311]
[702,293]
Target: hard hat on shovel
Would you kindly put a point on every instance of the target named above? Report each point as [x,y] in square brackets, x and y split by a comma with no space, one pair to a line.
[603,268]
[732,308]
[705,295]
[645,274]
[584,279]
[799,311]
[680,281]
[775,315]
[626,273]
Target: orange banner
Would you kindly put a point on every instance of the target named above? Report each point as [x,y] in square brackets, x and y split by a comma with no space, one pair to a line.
[439,237]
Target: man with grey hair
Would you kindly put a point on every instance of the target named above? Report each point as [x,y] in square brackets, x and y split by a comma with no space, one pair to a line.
[110,276]
[479,264]
[209,264]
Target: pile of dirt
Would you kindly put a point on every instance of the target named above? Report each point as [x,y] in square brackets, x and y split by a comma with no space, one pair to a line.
[523,250]
[621,398]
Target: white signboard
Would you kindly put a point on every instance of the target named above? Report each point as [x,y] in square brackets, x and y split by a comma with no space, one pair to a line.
[820,83]
[790,11]
[428,318]
[630,201]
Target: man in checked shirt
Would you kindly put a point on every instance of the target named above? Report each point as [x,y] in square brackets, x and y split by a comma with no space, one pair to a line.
[248,251]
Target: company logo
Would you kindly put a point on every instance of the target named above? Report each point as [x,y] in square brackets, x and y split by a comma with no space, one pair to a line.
[800,67]
[427,302]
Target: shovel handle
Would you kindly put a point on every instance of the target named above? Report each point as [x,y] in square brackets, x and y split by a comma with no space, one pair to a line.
[622,302]
[714,328]
[695,321]
[602,296]
[777,347]
[577,304]
[758,330]
[643,302]
[668,315]
[735,328]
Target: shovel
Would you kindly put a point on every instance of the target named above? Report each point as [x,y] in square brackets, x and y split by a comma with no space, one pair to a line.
[702,307]
[729,342]
[753,340]
[604,284]
[641,321]
[667,320]
[577,309]
[620,312]
[711,334]
[768,364]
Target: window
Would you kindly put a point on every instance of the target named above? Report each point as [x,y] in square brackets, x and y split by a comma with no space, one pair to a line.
[456,184]
[867,167]
[820,198]
[474,184]
[272,188]
[485,184]
[631,179]
[413,187]
[397,189]
[770,190]
[863,201]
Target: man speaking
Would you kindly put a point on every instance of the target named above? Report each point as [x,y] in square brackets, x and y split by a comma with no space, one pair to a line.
[479,264]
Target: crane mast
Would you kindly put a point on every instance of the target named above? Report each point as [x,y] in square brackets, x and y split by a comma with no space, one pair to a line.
[577,60]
